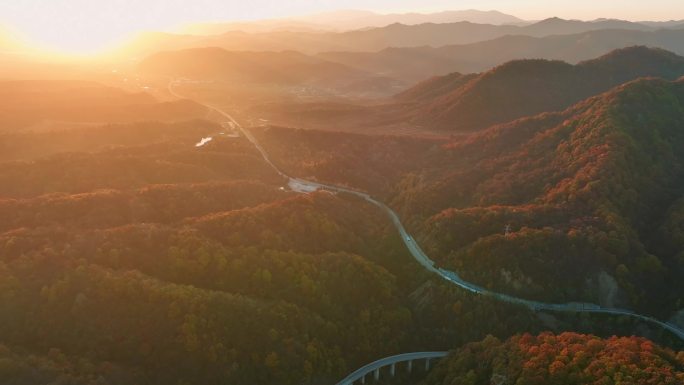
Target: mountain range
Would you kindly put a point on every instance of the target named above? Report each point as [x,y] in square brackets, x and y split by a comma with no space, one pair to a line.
[395,35]
[591,195]
[528,87]
[457,103]
[346,20]
[419,63]
[354,19]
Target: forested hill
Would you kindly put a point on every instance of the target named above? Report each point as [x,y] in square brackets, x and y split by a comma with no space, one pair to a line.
[431,89]
[140,253]
[567,359]
[528,87]
[592,195]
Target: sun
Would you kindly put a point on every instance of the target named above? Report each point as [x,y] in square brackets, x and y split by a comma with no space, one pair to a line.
[75,28]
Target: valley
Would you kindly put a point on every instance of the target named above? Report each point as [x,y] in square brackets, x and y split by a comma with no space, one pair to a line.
[350,197]
[448,275]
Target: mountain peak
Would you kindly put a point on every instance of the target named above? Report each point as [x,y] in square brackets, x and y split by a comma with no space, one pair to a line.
[637,51]
[553,20]
[630,62]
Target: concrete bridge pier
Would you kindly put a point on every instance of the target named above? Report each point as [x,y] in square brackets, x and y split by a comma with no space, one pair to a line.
[427,364]
[393,370]
[363,379]
[376,374]
[409,366]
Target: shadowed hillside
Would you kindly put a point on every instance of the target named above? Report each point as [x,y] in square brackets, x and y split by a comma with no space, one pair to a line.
[457,104]
[583,191]
[523,88]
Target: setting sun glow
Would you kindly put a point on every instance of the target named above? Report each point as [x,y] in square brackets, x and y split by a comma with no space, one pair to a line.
[73,43]
[74,27]
[92,26]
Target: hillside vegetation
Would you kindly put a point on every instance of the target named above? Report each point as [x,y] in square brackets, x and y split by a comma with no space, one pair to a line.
[567,359]
[528,87]
[129,255]
[591,195]
[148,241]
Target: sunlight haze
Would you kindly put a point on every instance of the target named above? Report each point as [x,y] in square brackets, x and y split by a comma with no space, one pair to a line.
[89,26]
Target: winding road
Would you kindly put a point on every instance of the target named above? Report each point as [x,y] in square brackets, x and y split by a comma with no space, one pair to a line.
[425,261]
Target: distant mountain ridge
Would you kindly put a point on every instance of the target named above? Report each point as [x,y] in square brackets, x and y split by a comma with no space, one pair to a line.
[347,20]
[528,87]
[418,63]
[393,35]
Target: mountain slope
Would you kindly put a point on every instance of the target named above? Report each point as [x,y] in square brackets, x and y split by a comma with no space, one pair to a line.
[271,69]
[583,191]
[529,87]
[592,195]
[431,89]
[568,358]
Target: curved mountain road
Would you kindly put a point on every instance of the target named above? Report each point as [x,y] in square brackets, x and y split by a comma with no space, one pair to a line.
[376,366]
[426,262]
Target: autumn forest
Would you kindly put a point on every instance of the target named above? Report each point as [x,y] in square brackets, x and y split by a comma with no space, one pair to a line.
[290,200]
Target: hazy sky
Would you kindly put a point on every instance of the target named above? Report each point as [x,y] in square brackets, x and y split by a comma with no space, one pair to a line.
[83,24]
